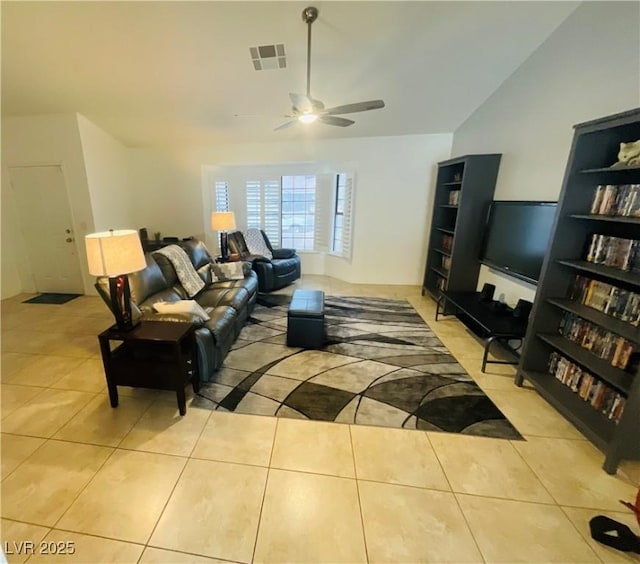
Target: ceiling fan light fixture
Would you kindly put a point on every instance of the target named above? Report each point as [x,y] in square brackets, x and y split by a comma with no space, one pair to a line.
[308,118]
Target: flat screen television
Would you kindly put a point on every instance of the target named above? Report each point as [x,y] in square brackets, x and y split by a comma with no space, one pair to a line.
[516,237]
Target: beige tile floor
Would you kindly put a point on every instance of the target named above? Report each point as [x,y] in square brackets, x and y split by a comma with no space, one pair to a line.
[141,484]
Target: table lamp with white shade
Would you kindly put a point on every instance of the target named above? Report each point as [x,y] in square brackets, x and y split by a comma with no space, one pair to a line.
[116,253]
[223,222]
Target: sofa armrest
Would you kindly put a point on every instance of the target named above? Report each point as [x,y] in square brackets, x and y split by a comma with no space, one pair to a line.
[257,258]
[175,317]
[283,253]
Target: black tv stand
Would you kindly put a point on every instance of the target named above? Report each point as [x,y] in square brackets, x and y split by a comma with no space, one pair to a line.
[487,319]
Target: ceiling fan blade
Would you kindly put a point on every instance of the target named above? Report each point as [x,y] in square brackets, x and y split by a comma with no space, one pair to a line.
[286,125]
[262,115]
[332,120]
[318,106]
[356,107]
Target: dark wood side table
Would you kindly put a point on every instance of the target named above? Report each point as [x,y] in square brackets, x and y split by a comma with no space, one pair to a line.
[231,258]
[156,354]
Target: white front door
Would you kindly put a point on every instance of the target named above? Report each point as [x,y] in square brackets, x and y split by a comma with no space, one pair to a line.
[45,219]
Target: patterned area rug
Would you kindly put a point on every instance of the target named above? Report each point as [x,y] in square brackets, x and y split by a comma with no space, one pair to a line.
[382,365]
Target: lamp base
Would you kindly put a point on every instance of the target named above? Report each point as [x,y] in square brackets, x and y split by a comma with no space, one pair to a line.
[224,246]
[121,302]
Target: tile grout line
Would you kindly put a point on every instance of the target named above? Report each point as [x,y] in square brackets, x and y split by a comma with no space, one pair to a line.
[455,497]
[65,530]
[175,485]
[216,558]
[144,412]
[44,442]
[558,503]
[579,533]
[5,416]
[195,443]
[62,424]
[539,478]
[355,473]
[264,493]
[164,507]
[113,450]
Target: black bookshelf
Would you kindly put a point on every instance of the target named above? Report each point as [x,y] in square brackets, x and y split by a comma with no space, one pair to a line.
[474,176]
[601,271]
[591,423]
[594,149]
[611,375]
[622,328]
[616,219]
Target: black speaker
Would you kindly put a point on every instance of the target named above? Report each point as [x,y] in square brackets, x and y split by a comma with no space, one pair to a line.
[486,294]
[522,309]
[499,307]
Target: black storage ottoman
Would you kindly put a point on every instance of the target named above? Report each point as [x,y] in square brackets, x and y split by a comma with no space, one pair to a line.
[305,320]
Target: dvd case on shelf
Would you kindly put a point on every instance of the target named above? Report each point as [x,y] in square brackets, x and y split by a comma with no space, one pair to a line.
[602,343]
[591,389]
[616,200]
[616,252]
[606,298]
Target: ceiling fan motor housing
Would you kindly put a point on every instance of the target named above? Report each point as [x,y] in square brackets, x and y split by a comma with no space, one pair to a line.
[309,15]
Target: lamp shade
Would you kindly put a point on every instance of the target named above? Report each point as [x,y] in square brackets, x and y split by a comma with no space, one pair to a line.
[112,253]
[223,221]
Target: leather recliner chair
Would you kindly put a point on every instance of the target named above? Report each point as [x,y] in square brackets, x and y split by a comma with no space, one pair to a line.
[274,273]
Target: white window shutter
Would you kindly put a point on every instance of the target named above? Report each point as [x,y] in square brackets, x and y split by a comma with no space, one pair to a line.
[263,207]
[347,228]
[323,212]
[254,204]
[272,211]
[222,196]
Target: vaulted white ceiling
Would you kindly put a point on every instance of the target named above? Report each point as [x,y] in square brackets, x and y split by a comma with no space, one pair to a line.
[167,73]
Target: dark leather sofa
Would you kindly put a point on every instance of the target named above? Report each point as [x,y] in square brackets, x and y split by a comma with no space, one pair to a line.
[232,302]
[274,273]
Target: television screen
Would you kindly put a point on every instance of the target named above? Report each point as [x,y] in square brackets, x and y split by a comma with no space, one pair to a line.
[516,237]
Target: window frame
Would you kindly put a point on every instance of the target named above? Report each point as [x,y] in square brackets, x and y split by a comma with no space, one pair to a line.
[327,174]
[310,184]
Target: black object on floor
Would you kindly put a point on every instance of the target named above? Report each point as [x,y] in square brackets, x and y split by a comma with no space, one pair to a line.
[51,298]
[614,534]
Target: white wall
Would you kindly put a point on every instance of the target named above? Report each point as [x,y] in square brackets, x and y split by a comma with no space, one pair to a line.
[588,68]
[12,251]
[395,179]
[105,162]
[42,140]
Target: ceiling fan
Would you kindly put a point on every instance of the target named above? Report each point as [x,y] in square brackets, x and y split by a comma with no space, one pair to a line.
[307,109]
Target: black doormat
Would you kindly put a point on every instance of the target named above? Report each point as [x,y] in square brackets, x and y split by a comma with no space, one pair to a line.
[50,298]
[381,365]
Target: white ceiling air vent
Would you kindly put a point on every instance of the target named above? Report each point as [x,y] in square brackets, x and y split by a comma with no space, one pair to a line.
[266,57]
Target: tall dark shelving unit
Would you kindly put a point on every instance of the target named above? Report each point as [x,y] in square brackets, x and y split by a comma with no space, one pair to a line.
[594,149]
[474,176]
